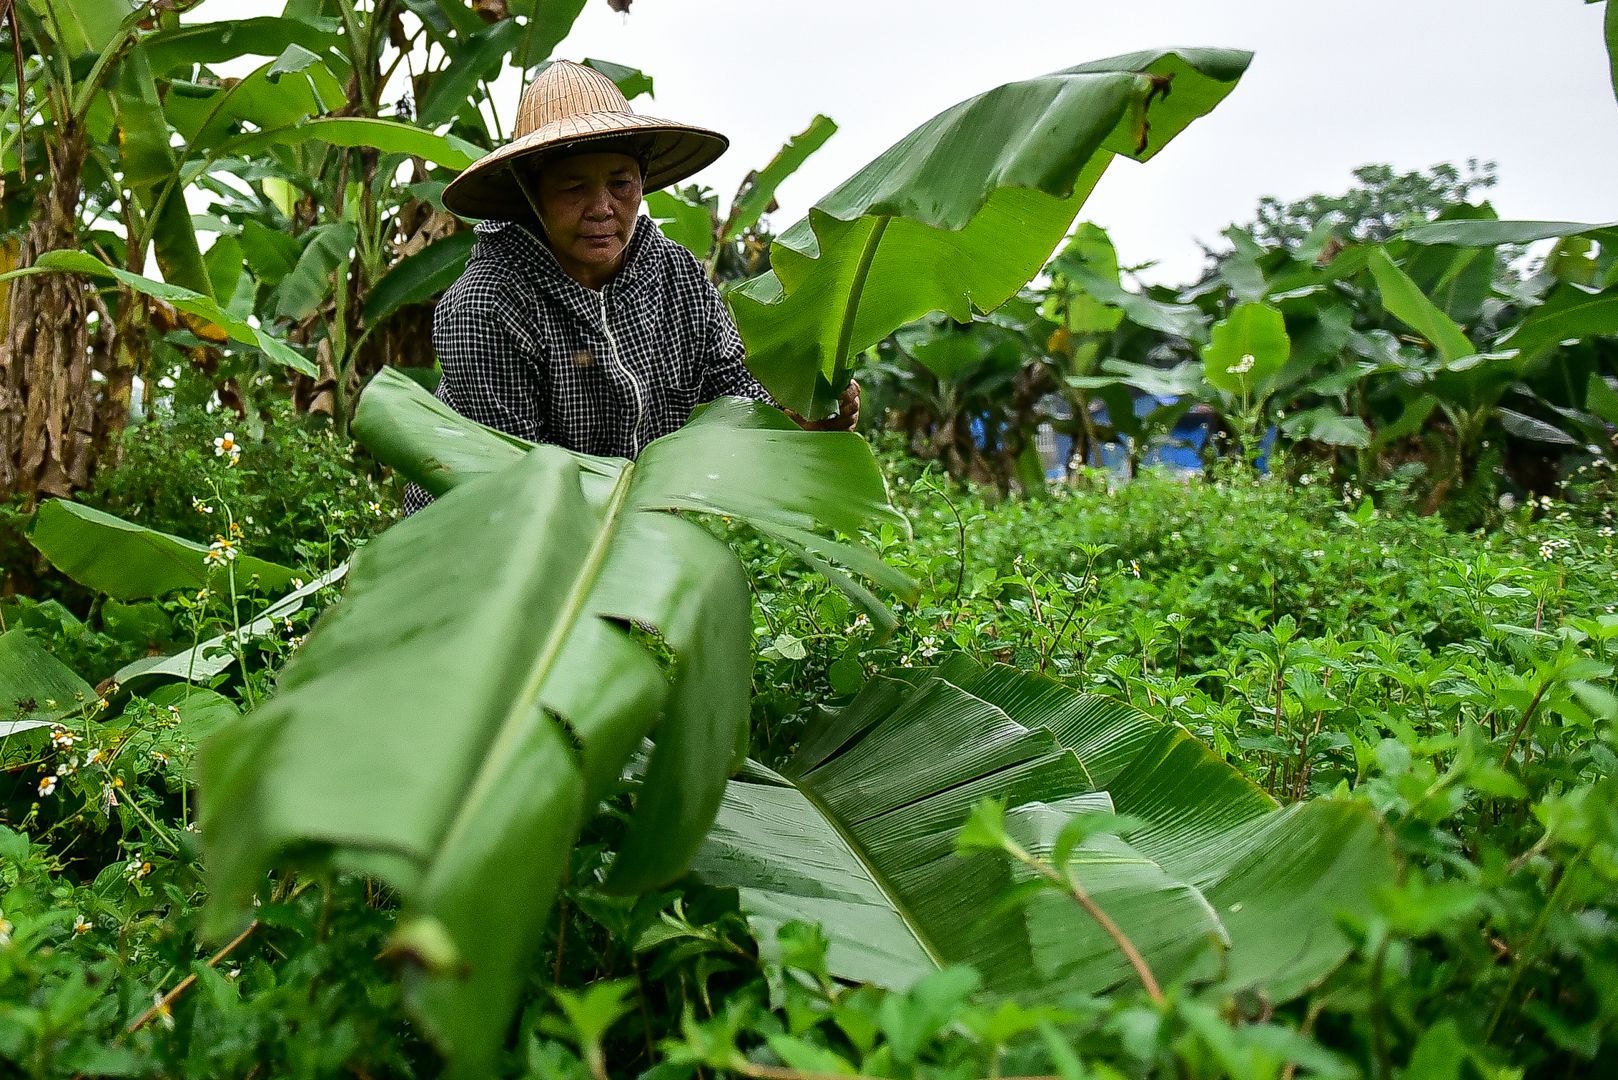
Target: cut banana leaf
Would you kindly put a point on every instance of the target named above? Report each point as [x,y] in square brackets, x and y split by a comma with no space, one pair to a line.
[1218,884]
[735,458]
[454,719]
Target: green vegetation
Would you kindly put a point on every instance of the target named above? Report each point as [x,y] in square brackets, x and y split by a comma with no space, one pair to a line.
[1457,685]
[769,753]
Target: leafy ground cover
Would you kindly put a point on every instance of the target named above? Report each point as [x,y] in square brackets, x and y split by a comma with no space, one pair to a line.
[1323,642]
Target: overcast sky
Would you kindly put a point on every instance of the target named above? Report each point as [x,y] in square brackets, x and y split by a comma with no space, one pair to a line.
[1334,84]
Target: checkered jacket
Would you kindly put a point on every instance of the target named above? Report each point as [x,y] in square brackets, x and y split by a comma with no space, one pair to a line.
[526,349]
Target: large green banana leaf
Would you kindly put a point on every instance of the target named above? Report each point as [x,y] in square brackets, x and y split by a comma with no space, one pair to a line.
[735,458]
[129,561]
[960,213]
[455,718]
[856,834]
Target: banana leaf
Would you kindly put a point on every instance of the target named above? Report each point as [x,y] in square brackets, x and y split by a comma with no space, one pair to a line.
[960,213]
[1569,312]
[1216,884]
[202,662]
[475,61]
[419,277]
[129,561]
[187,300]
[759,189]
[296,85]
[36,689]
[177,48]
[741,460]
[1610,32]
[453,720]
[389,136]
[1407,303]
[148,163]
[1486,233]
[85,26]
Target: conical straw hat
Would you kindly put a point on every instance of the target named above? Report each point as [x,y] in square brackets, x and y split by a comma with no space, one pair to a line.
[569,104]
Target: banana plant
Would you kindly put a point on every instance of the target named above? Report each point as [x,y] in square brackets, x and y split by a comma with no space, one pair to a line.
[52,431]
[1472,382]
[1211,881]
[970,396]
[492,668]
[961,213]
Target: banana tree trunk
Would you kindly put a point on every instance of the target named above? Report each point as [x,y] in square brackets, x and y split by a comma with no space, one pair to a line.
[50,432]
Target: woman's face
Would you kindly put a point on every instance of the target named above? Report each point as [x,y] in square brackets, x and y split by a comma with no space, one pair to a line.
[587,204]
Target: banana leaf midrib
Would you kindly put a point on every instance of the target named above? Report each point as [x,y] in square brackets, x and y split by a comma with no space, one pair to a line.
[524,707]
[880,880]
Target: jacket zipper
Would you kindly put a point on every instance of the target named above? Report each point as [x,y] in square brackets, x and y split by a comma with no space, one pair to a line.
[634,383]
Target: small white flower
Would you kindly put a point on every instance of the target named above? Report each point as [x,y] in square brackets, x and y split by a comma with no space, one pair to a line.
[1134,567]
[1242,366]
[47,786]
[221,551]
[5,930]
[227,446]
[165,1015]
[199,506]
[62,737]
[376,508]
[93,756]
[81,925]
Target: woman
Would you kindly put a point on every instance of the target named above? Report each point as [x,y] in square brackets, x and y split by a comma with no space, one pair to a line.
[577,322]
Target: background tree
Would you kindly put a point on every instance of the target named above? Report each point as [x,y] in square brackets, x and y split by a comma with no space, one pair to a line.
[1373,208]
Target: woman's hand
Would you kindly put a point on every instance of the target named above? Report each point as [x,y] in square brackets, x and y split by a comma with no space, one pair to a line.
[848,413]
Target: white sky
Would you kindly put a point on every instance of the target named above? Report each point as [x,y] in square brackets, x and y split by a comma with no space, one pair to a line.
[1334,84]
